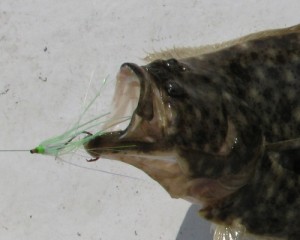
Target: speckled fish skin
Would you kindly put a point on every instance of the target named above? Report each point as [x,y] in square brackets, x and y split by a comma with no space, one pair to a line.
[228,108]
[262,80]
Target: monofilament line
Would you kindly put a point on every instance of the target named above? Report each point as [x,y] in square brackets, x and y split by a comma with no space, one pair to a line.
[14,150]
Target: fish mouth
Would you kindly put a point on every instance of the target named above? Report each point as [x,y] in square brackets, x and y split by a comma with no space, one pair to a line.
[138,98]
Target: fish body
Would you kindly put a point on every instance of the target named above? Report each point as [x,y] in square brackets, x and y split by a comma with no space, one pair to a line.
[221,129]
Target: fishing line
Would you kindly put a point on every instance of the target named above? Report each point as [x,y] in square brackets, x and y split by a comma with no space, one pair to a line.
[98,170]
[14,150]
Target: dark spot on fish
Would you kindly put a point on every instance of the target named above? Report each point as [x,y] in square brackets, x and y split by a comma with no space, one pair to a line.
[239,71]
[290,160]
[284,111]
[273,73]
[205,113]
[280,59]
[270,111]
[291,197]
[267,93]
[205,79]
[298,70]
[216,122]
[201,137]
[254,55]
[286,116]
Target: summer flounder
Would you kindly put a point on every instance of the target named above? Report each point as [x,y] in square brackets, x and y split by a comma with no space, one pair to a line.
[219,126]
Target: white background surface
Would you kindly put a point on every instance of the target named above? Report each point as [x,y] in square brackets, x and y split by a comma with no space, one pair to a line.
[41,95]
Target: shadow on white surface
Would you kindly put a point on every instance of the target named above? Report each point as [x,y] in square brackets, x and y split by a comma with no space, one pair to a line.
[194,227]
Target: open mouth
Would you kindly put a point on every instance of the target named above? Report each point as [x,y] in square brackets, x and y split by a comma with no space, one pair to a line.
[138,118]
[126,97]
[133,100]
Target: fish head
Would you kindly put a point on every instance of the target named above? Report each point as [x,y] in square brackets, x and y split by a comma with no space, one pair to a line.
[156,94]
[178,130]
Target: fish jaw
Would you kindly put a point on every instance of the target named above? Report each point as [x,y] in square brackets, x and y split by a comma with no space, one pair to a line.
[144,144]
[163,166]
[146,133]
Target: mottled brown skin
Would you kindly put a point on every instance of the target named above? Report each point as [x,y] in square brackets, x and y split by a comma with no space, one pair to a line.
[231,106]
[270,67]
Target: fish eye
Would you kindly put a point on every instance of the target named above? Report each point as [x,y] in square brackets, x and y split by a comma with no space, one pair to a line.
[171,62]
[173,89]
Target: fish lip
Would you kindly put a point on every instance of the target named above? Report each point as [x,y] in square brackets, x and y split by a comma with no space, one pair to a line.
[145,106]
[138,71]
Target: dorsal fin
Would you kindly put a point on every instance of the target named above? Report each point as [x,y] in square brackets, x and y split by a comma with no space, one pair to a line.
[185,52]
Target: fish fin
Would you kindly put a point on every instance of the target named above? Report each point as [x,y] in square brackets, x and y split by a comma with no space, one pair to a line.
[180,52]
[229,233]
[237,232]
[185,52]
